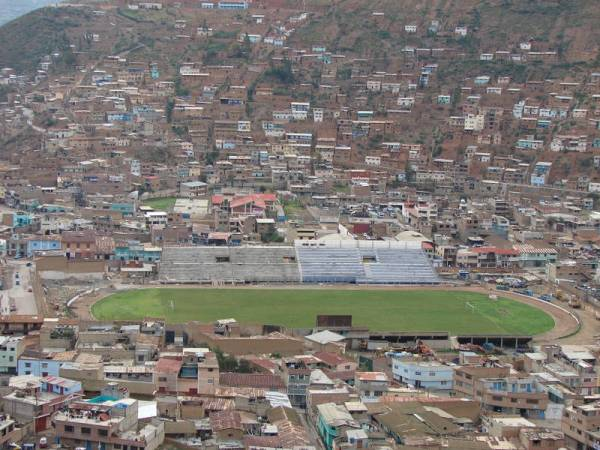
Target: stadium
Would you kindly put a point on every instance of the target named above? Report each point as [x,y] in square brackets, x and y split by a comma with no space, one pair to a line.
[379,309]
[386,286]
[348,262]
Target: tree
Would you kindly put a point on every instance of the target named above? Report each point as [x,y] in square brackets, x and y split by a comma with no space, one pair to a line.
[228,363]
[169,109]
[180,91]
[272,236]
[282,73]
[212,157]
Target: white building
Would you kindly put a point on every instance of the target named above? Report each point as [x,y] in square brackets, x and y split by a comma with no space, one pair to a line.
[421,373]
[372,160]
[461,31]
[156,219]
[474,122]
[300,110]
[11,348]
[318,115]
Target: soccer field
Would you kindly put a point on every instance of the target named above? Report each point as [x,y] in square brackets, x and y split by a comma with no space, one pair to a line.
[381,310]
[161,203]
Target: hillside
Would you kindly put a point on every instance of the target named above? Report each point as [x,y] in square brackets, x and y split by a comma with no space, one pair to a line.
[568,27]
[41,32]
[347,26]
[10,9]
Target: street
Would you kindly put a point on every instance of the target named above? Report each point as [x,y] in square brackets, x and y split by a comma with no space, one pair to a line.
[19,291]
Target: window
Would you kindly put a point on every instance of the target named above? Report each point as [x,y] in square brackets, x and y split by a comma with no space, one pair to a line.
[86,430]
[44,365]
[162,379]
[103,432]
[222,259]
[69,428]
[27,365]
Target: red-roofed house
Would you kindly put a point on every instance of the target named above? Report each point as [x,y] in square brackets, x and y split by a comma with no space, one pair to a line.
[227,425]
[263,365]
[336,362]
[254,204]
[253,380]
[371,385]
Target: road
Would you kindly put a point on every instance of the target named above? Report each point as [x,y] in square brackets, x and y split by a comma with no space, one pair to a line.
[23,299]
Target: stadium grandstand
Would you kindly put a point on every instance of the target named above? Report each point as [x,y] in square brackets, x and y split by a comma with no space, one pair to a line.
[364,262]
[356,262]
[229,265]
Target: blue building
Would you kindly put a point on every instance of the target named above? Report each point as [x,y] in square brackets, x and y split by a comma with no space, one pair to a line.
[118,117]
[136,251]
[537,180]
[41,366]
[38,245]
[540,173]
[332,420]
[544,124]
[232,5]
[22,219]
[126,209]
[60,386]
[49,208]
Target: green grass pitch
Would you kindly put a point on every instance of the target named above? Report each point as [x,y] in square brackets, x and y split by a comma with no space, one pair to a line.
[380,310]
[161,203]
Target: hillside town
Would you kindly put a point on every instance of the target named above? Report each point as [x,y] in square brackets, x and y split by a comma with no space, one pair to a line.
[239,145]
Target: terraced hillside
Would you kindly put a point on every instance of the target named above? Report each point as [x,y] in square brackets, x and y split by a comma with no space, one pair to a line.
[568,26]
[347,26]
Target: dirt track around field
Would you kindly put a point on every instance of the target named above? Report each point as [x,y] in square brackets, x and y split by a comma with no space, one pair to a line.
[570,326]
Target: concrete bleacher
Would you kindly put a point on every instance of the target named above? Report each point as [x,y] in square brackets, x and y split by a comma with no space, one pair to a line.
[228,264]
[364,262]
[399,266]
[330,265]
[361,262]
